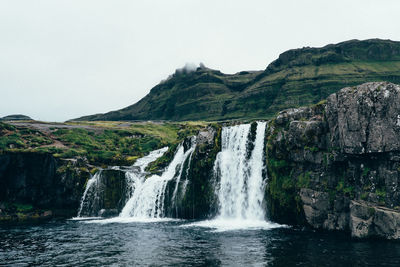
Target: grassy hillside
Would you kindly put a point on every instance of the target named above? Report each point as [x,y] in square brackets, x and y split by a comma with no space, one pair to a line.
[298,77]
[100,142]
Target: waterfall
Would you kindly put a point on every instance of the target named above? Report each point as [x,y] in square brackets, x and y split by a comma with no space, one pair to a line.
[135,175]
[90,198]
[188,154]
[239,182]
[241,188]
[148,197]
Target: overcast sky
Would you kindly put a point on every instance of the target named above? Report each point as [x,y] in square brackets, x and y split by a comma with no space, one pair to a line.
[64,59]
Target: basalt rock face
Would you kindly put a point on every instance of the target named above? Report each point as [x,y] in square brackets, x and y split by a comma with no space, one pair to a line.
[365,119]
[49,184]
[336,165]
[37,179]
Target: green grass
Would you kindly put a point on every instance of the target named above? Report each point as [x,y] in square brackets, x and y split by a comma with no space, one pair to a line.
[23,207]
[100,142]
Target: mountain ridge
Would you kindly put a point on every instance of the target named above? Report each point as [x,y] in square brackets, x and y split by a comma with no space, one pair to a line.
[297,77]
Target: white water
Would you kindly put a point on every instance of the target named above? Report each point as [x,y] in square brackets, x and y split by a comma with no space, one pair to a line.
[142,163]
[90,196]
[129,220]
[137,173]
[255,183]
[241,187]
[188,154]
[148,196]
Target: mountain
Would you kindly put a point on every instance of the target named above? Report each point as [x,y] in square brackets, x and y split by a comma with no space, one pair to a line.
[15,117]
[298,77]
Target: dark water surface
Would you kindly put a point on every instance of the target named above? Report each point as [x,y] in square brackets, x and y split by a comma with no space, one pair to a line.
[77,243]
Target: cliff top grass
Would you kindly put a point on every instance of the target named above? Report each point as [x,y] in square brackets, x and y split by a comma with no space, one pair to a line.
[102,142]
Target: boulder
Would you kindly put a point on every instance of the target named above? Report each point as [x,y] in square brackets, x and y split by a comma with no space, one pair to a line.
[368,220]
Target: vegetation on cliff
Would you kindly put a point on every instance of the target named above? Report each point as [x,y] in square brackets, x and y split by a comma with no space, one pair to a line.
[101,143]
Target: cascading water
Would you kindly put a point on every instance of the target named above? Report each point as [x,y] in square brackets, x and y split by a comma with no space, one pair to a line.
[90,197]
[135,175]
[188,154]
[241,186]
[255,183]
[148,196]
[240,189]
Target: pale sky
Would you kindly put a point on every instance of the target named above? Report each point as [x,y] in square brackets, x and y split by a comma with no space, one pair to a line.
[64,59]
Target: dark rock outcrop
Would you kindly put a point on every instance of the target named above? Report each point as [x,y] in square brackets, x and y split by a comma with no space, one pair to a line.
[52,187]
[367,220]
[332,163]
[198,201]
[36,179]
[365,119]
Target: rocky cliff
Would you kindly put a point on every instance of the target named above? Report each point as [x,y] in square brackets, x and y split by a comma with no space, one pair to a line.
[336,165]
[36,186]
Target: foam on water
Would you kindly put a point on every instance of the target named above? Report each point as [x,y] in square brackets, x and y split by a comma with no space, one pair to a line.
[222,225]
[84,218]
[129,220]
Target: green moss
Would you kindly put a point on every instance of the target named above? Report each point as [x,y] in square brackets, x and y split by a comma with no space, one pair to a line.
[277,164]
[364,196]
[62,169]
[93,171]
[381,194]
[312,149]
[349,190]
[365,172]
[344,188]
[325,159]
[371,211]
[23,207]
[303,180]
[163,161]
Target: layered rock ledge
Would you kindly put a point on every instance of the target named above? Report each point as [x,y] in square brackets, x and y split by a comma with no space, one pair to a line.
[335,165]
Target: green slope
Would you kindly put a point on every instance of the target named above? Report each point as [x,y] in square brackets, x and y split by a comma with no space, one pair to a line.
[298,77]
